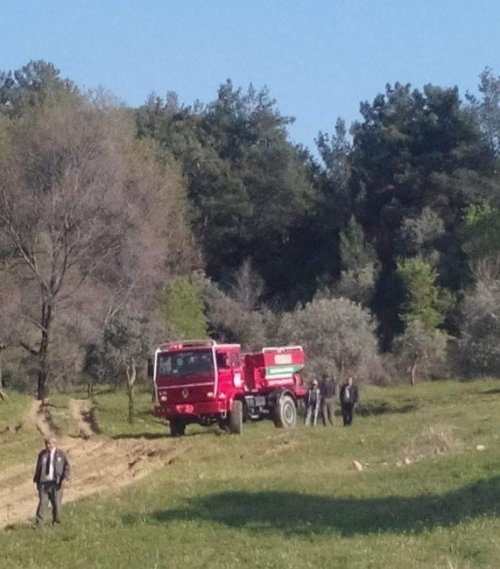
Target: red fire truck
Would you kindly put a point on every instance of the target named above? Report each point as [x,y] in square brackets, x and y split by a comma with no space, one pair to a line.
[204,382]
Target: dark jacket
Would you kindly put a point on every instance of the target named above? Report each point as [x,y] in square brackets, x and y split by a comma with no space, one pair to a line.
[61,467]
[353,394]
[328,388]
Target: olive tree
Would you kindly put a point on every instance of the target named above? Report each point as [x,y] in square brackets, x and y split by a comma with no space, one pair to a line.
[480,326]
[420,348]
[337,334]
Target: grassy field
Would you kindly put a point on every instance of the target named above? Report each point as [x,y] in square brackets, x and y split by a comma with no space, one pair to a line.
[425,498]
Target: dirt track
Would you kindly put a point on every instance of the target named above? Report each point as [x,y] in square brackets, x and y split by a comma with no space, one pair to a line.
[98,464]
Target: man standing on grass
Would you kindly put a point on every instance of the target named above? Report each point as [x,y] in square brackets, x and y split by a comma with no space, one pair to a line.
[52,469]
[328,389]
[348,399]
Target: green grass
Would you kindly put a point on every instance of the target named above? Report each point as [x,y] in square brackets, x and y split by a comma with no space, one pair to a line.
[290,499]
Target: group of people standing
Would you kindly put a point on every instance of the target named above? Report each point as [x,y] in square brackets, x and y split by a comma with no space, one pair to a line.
[320,398]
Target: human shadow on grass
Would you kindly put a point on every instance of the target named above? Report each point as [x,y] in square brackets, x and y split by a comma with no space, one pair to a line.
[302,514]
[368,409]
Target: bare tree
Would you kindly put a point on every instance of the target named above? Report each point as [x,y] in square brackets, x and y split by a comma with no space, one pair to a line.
[83,233]
[248,286]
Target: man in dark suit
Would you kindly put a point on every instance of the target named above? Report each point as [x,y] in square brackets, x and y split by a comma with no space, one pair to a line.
[52,469]
[348,399]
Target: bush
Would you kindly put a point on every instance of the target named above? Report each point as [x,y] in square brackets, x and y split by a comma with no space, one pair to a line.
[479,344]
[337,334]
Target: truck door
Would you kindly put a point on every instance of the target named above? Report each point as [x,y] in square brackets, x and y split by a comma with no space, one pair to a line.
[229,371]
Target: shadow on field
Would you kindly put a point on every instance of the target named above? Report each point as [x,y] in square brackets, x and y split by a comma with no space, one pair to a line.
[148,436]
[164,435]
[292,513]
[492,391]
[367,409]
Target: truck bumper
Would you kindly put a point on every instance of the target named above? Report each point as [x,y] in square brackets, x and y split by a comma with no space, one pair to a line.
[192,410]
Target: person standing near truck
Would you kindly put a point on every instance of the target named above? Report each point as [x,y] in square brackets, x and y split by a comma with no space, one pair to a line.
[348,399]
[313,399]
[52,469]
[328,389]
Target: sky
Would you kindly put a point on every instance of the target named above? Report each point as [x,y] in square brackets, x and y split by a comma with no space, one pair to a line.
[318,58]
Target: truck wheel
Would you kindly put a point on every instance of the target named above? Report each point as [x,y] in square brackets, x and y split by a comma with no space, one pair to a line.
[285,414]
[177,427]
[235,418]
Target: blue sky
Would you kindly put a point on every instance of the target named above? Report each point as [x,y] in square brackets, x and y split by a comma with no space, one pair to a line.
[318,58]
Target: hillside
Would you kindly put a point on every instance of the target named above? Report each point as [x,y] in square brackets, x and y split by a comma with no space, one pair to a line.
[427,495]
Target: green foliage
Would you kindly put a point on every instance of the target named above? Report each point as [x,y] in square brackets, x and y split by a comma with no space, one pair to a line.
[359,263]
[232,320]
[425,302]
[182,308]
[487,109]
[338,335]
[30,87]
[417,155]
[355,252]
[482,233]
[248,185]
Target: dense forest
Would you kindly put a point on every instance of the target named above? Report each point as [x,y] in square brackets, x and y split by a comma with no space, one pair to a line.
[121,227]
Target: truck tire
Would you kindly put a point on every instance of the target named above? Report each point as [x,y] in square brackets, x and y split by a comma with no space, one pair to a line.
[235,418]
[285,413]
[177,427]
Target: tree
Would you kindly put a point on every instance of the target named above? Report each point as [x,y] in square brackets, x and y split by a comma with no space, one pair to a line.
[482,232]
[337,334]
[232,321]
[487,109]
[420,348]
[183,310]
[249,187]
[248,286]
[479,342]
[87,220]
[417,155]
[425,309]
[30,86]
[425,301]
[3,395]
[359,265]
[125,344]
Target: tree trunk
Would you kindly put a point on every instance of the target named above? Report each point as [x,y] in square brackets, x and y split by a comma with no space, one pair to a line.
[43,352]
[131,377]
[413,372]
[3,395]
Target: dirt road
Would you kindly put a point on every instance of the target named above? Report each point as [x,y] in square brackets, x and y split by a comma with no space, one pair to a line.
[98,464]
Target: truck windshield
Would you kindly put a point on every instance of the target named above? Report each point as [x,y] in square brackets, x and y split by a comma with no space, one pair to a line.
[182,364]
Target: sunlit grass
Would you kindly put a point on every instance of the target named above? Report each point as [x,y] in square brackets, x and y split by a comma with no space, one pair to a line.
[286,499]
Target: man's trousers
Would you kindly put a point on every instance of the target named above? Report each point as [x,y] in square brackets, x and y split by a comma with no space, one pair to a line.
[49,493]
[328,411]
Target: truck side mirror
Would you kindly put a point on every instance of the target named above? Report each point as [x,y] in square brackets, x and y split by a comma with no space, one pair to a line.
[151,368]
